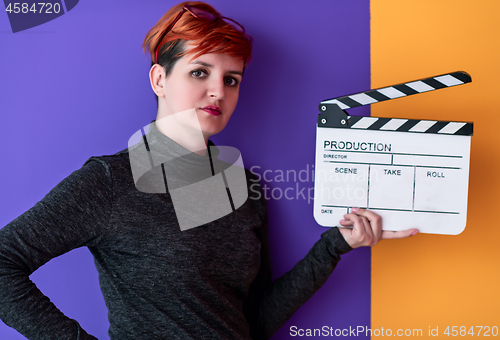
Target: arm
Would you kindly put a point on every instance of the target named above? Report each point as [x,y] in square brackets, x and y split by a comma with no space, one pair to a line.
[269,305]
[69,216]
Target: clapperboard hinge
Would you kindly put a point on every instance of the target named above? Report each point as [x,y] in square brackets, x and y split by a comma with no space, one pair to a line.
[332,112]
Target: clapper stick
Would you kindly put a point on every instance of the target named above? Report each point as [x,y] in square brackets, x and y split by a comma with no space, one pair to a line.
[333,114]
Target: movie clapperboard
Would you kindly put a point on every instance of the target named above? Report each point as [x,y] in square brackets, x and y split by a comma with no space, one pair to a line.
[413,173]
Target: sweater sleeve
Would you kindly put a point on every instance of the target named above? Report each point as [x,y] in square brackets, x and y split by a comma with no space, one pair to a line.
[270,304]
[71,215]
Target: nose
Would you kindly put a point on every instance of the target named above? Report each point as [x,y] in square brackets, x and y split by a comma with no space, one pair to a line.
[216,89]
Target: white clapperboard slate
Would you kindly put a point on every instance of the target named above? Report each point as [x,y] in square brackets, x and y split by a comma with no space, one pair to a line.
[413,173]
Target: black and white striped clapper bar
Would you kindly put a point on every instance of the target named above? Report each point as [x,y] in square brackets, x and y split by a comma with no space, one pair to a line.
[413,173]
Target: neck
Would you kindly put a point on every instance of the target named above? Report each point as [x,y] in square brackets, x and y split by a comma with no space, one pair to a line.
[184,129]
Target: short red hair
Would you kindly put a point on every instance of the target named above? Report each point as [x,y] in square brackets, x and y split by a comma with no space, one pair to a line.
[206,36]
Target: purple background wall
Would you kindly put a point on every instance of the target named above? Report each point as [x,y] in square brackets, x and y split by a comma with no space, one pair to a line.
[78,86]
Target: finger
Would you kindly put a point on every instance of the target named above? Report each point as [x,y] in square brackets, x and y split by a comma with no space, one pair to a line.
[375,222]
[354,235]
[362,233]
[377,230]
[370,215]
[370,237]
[354,220]
[346,223]
[387,234]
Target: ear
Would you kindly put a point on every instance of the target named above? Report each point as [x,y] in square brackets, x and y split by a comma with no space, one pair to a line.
[156,77]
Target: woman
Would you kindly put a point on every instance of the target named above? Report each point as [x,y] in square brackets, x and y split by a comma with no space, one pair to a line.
[158,281]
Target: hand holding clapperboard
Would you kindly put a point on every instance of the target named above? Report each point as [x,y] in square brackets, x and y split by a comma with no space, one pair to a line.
[413,173]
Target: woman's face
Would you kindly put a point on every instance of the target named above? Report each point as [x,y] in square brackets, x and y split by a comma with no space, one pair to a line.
[209,84]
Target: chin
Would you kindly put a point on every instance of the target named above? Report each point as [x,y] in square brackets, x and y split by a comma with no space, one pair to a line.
[210,131]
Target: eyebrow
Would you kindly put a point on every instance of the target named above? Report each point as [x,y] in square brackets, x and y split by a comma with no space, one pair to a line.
[208,65]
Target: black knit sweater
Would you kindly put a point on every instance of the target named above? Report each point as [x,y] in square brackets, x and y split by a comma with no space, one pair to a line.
[208,282]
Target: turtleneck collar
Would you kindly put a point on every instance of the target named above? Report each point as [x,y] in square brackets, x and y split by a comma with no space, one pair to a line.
[166,149]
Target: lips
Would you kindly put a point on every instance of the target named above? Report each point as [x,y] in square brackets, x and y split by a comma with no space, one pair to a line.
[212,110]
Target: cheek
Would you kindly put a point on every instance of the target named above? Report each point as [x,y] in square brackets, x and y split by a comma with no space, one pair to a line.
[187,97]
[233,100]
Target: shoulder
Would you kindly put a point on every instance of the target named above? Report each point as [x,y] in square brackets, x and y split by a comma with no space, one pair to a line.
[101,176]
[118,160]
[109,166]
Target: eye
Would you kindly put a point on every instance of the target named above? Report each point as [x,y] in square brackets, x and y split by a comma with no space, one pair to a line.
[199,73]
[231,81]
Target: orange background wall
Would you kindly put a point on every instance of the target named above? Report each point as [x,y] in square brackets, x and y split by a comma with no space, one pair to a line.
[437,280]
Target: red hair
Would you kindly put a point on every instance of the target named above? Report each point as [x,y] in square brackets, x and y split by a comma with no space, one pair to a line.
[206,36]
